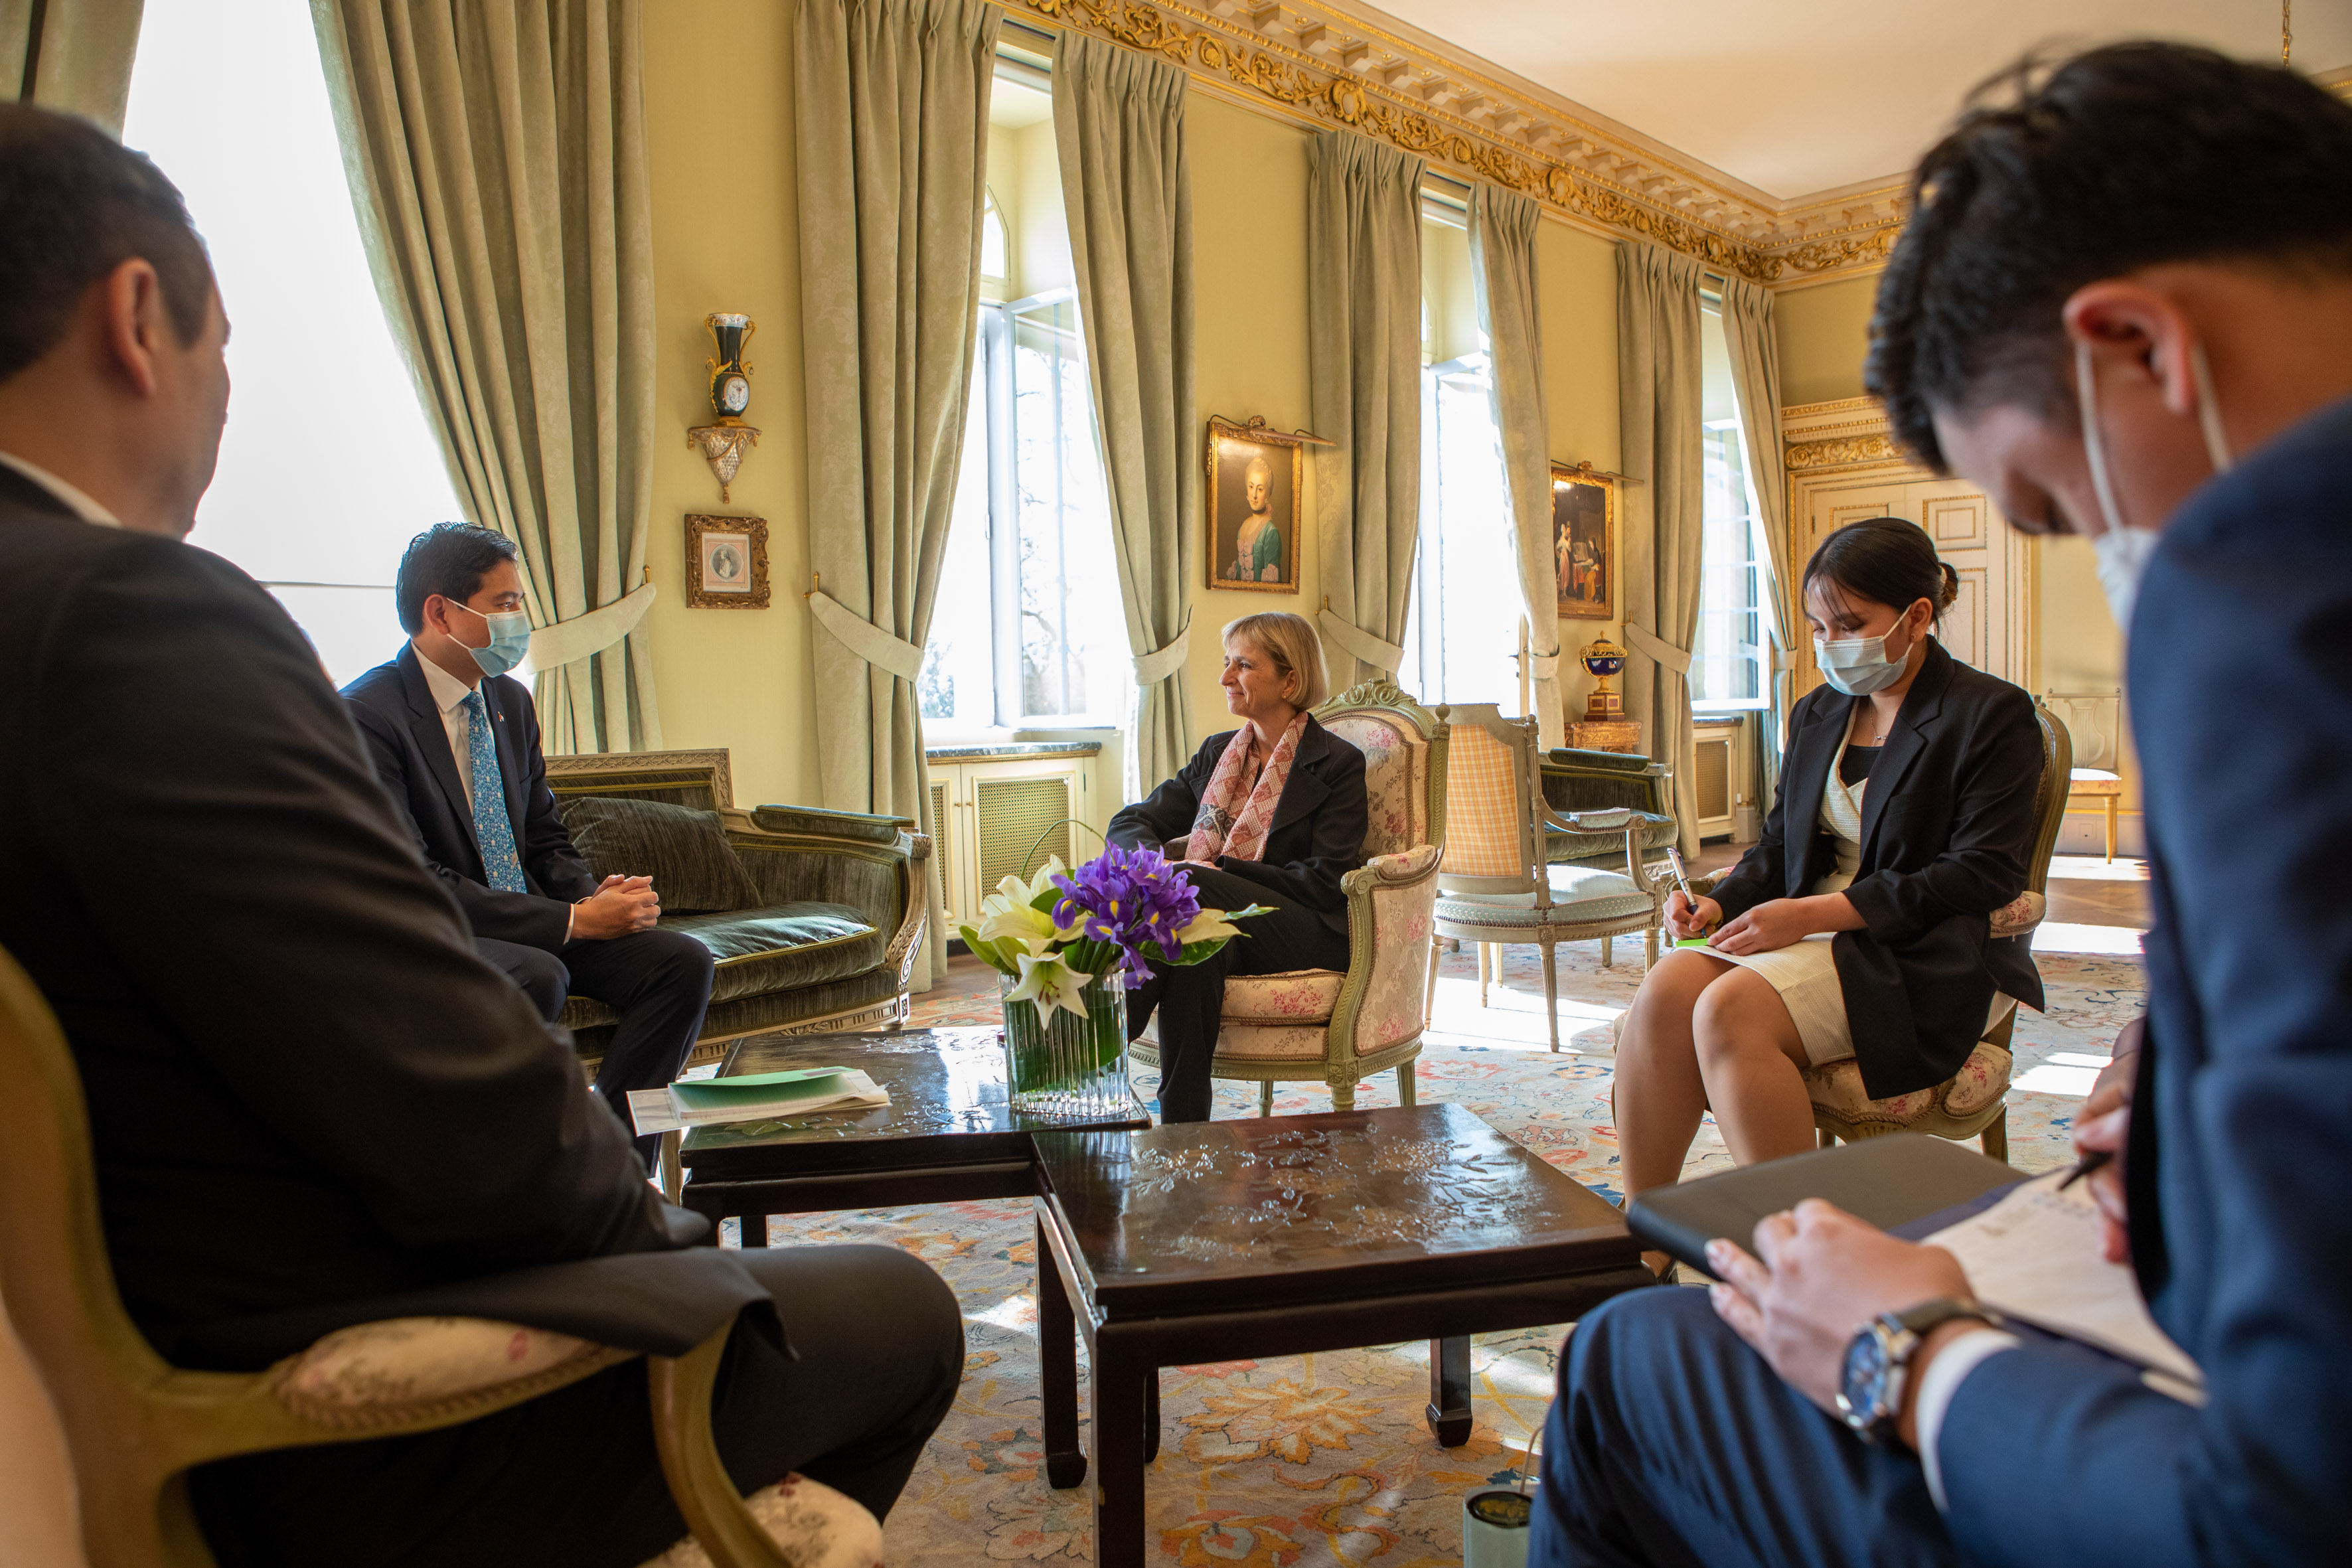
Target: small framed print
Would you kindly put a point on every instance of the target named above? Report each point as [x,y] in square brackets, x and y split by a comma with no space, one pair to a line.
[1253,505]
[1584,542]
[726,563]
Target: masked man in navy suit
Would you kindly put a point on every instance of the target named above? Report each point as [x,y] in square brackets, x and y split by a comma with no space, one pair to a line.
[456,744]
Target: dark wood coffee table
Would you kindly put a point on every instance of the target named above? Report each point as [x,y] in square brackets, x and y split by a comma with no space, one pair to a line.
[1281,1234]
[948,1134]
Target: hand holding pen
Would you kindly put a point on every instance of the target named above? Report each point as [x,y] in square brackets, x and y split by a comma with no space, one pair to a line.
[1693,916]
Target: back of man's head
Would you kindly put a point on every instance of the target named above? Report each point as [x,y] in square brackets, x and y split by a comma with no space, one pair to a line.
[2121,158]
[74,206]
[450,559]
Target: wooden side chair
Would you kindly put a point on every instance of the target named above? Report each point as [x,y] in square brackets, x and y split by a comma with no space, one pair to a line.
[1309,1025]
[1972,1103]
[1495,883]
[135,1426]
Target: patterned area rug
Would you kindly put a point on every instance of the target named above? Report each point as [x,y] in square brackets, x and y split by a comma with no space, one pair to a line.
[1303,1461]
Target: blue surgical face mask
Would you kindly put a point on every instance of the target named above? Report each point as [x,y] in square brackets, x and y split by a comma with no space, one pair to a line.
[510,639]
[1859,665]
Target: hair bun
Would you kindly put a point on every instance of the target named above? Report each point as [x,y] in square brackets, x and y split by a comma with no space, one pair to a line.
[1951,585]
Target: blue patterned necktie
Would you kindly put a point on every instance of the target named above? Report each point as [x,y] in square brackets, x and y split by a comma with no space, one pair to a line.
[493,831]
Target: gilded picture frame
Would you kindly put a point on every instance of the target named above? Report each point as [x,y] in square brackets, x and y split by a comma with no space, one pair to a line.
[1252,502]
[1584,543]
[726,563]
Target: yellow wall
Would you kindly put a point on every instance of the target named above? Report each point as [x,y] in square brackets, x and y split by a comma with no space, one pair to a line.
[1824,332]
[725,238]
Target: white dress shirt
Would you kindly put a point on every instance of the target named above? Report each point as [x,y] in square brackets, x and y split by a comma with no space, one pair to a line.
[74,495]
[1950,1368]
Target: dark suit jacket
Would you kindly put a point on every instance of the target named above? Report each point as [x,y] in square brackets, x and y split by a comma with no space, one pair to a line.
[1946,825]
[2239,1169]
[1318,835]
[310,1103]
[394,709]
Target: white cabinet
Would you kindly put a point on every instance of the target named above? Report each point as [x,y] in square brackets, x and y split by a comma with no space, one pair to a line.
[1002,816]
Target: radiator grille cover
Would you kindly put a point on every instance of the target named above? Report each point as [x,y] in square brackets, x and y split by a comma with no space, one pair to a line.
[941,849]
[1713,779]
[1014,815]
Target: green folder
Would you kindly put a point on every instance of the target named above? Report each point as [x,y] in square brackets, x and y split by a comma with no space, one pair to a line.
[756,1089]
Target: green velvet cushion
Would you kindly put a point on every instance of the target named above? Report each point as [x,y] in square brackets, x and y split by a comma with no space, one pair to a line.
[683,850]
[783,947]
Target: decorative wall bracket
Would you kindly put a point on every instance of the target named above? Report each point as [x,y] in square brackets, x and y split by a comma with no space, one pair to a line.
[723,445]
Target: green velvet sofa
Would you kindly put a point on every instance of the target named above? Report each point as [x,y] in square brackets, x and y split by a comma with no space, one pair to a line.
[1577,780]
[813,917]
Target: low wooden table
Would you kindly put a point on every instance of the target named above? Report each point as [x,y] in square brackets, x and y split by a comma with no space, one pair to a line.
[948,1134]
[1281,1234]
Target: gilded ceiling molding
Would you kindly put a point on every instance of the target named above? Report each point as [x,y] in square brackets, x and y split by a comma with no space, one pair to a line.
[1338,70]
[1841,452]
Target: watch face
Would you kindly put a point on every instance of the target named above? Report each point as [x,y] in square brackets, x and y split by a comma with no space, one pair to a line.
[734,395]
[1861,1383]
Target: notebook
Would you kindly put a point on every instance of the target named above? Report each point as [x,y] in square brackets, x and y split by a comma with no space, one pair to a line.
[754,1096]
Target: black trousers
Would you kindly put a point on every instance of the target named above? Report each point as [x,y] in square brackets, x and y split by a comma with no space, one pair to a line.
[572,1478]
[659,983]
[1189,998]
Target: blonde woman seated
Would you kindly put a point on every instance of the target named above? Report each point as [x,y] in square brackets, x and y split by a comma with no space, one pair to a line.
[1859,924]
[1273,813]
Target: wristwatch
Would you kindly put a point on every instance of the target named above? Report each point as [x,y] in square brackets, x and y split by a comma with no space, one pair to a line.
[1878,1362]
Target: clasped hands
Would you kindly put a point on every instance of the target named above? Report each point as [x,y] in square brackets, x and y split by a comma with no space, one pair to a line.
[1773,924]
[1818,1274]
[620,906]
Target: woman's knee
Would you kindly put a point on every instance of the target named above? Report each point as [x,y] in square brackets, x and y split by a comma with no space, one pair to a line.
[1739,1014]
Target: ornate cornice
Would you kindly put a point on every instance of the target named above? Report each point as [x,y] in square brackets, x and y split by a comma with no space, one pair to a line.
[1840,451]
[1325,67]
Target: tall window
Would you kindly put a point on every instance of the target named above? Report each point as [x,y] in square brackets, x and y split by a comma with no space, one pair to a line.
[327,467]
[1730,656]
[1027,630]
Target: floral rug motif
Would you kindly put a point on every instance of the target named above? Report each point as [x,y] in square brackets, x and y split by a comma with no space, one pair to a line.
[1326,1459]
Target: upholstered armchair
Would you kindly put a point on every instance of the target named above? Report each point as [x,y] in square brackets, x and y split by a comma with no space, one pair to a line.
[1322,1025]
[1577,781]
[1972,1103]
[1495,883]
[134,1425]
[811,916]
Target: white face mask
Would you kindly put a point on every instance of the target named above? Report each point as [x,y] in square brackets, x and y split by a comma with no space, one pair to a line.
[2123,552]
[1859,665]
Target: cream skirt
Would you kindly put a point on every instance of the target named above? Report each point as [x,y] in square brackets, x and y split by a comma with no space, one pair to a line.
[1805,974]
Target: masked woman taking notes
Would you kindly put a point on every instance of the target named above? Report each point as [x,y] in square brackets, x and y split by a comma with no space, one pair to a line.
[1859,924]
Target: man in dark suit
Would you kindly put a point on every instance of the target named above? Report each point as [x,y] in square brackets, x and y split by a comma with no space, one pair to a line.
[310,1103]
[457,742]
[2119,308]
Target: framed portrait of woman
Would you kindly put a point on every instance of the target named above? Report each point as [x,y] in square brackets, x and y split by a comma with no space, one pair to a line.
[1584,543]
[1252,506]
[726,563]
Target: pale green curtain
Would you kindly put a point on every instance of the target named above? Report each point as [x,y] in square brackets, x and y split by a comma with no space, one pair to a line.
[1363,365]
[1119,127]
[1756,381]
[496,152]
[1659,414]
[1502,273]
[73,55]
[892,112]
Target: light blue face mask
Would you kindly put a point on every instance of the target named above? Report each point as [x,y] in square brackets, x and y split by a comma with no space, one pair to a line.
[1859,665]
[510,639]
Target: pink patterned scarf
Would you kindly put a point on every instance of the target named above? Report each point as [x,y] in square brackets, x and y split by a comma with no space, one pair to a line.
[1219,829]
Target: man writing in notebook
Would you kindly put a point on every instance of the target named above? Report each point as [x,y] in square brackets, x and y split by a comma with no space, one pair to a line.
[2123,304]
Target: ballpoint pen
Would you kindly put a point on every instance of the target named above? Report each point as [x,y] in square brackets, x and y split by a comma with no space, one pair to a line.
[1682,881]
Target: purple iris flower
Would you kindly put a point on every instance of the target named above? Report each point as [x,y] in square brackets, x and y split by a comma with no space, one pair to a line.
[1133,900]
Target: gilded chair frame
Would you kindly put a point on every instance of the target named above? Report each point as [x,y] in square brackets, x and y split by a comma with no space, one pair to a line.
[135,1426]
[1340,1066]
[1536,829]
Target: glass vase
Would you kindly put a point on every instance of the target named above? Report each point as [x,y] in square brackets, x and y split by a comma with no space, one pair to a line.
[1068,1067]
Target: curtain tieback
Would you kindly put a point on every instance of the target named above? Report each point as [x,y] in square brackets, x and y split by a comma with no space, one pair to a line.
[1543,666]
[1649,645]
[1151,669]
[867,640]
[1362,644]
[568,642]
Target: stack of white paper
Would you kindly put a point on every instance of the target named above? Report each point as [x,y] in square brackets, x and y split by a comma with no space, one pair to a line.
[756,1096]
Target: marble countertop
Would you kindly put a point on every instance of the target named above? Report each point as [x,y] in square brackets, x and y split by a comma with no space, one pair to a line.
[999,751]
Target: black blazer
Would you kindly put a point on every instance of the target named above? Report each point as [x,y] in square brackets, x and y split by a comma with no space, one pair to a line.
[310,1103]
[1318,835]
[1947,824]
[394,709]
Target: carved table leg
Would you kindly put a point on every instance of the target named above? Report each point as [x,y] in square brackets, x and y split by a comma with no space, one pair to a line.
[1057,1360]
[1120,1401]
[1449,1391]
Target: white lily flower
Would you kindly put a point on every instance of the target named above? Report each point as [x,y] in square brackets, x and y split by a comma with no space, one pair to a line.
[1209,925]
[1050,984]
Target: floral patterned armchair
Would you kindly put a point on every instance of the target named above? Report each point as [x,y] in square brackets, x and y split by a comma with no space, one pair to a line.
[1322,1025]
[135,1426]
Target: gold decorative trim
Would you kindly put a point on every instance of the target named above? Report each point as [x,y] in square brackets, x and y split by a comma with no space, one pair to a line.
[1340,70]
[1840,451]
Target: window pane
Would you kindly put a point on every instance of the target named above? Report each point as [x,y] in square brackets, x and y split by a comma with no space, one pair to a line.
[1073,637]
[1730,654]
[992,249]
[1462,630]
[327,467]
